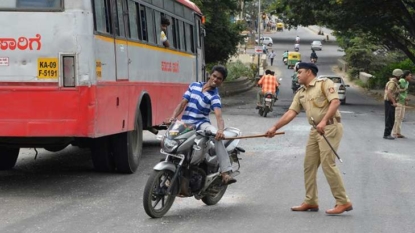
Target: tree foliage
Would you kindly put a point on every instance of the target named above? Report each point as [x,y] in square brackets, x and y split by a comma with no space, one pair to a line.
[222,35]
[388,22]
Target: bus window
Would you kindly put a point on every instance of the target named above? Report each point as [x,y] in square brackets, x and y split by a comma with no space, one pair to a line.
[102,16]
[33,5]
[150,25]
[199,33]
[190,45]
[157,23]
[170,35]
[121,28]
[175,32]
[143,23]
[181,35]
[132,9]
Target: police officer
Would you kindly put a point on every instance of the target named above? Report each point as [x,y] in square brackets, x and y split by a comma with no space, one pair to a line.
[390,96]
[320,101]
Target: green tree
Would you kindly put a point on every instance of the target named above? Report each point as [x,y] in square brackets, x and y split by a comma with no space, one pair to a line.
[222,35]
[389,22]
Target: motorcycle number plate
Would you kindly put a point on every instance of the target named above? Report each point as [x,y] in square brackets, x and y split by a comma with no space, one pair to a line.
[268,99]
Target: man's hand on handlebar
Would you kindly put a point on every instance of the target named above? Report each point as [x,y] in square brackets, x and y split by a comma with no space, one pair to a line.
[219,135]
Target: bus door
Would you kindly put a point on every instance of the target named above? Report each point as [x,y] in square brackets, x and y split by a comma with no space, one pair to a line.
[120,16]
[200,53]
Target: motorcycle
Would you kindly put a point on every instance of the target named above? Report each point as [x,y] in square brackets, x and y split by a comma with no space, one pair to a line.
[294,86]
[191,168]
[267,103]
[285,60]
[313,60]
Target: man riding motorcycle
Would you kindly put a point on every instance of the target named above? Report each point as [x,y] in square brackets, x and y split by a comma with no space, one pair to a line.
[297,47]
[268,83]
[285,57]
[313,56]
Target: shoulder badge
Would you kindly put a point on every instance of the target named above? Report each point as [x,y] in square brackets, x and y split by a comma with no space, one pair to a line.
[301,88]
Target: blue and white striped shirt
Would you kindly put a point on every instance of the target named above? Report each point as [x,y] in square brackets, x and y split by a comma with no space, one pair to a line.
[199,104]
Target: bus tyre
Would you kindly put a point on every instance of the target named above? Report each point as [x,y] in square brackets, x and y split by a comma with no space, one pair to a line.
[127,147]
[8,157]
[101,155]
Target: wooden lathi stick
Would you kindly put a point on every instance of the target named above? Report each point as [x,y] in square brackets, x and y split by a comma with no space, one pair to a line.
[253,136]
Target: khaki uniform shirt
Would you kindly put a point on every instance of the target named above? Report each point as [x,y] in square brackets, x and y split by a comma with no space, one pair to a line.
[314,101]
[392,86]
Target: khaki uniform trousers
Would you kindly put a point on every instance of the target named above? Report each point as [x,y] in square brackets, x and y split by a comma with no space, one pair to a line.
[399,115]
[319,152]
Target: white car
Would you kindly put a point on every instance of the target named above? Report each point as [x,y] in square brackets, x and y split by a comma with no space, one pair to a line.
[316,45]
[266,40]
[339,84]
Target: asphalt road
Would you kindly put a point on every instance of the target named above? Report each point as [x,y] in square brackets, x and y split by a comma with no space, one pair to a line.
[60,192]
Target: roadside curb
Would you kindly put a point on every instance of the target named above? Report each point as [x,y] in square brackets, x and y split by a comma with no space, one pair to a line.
[240,85]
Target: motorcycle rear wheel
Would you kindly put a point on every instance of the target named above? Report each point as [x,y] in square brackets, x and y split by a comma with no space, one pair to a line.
[156,201]
[266,110]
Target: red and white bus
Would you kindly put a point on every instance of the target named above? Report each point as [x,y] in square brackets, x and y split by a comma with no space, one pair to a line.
[93,73]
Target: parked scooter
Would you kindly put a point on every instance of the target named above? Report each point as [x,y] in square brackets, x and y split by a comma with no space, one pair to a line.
[191,168]
[267,103]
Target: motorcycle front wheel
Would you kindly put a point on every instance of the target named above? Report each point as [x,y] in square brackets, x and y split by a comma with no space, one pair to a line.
[156,201]
[214,198]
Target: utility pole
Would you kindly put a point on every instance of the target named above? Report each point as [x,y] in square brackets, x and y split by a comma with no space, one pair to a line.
[259,30]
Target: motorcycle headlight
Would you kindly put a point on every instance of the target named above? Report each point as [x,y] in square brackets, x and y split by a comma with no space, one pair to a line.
[169,145]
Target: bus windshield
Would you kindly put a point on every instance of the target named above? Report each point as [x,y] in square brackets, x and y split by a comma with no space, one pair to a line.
[31,5]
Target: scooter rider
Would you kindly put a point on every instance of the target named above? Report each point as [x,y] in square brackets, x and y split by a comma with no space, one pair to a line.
[285,55]
[313,55]
[199,99]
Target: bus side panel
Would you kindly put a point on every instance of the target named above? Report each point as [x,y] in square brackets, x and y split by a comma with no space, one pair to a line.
[113,117]
[46,111]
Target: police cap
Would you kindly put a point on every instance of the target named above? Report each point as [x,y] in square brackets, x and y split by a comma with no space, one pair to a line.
[307,65]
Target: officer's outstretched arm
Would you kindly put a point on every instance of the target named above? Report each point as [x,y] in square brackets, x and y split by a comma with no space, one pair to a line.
[285,119]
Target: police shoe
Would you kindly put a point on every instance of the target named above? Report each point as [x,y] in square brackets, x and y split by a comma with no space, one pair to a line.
[338,209]
[388,137]
[305,207]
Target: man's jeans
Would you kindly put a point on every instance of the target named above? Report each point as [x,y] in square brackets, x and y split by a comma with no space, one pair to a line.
[224,161]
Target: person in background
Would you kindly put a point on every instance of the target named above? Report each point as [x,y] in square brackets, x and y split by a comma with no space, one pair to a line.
[390,96]
[271,56]
[402,101]
[313,55]
[277,85]
[165,22]
[285,55]
[264,49]
[268,84]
